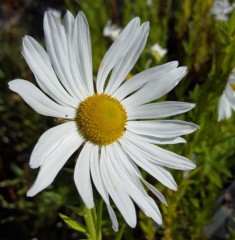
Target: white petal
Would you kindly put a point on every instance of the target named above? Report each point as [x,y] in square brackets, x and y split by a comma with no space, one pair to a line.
[57,47]
[54,162]
[231,79]
[126,182]
[230,95]
[116,52]
[96,175]
[113,218]
[39,62]
[156,89]
[82,175]
[39,101]
[154,140]
[160,156]
[120,72]
[159,110]
[156,171]
[129,166]
[134,172]
[224,108]
[49,141]
[162,128]
[142,78]
[68,23]
[98,182]
[120,198]
[157,193]
[83,50]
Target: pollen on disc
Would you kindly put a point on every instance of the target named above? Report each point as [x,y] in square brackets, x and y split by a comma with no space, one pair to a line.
[101,119]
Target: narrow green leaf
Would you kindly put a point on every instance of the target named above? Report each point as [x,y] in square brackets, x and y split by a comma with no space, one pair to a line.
[78,210]
[73,224]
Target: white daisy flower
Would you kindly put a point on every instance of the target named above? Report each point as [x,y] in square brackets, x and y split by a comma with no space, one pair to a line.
[149,3]
[112,122]
[221,9]
[158,50]
[227,100]
[111,30]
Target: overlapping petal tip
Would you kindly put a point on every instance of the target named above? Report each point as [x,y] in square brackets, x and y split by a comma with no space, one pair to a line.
[68,22]
[118,51]
[125,65]
[83,51]
[61,52]
[55,12]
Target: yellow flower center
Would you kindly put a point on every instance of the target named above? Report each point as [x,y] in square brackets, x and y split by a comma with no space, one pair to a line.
[101,119]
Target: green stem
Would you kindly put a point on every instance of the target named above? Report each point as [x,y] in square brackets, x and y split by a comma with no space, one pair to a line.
[99,219]
[90,223]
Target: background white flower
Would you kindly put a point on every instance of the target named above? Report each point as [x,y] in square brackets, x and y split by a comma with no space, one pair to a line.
[111,30]
[149,3]
[227,100]
[157,50]
[113,123]
[221,9]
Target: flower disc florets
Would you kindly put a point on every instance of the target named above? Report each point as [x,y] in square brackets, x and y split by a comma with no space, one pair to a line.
[101,119]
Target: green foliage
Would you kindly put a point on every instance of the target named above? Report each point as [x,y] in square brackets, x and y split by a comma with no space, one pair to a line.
[75,225]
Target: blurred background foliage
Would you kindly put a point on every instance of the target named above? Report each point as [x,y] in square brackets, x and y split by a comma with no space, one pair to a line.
[191,36]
